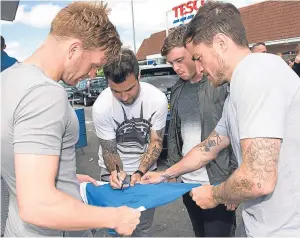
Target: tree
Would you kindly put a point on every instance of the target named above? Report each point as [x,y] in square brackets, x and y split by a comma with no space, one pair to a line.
[100,73]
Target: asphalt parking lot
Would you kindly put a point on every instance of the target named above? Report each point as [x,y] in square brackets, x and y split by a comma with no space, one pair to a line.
[170,220]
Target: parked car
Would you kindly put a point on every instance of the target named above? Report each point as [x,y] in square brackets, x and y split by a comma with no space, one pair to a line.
[163,77]
[88,90]
[156,70]
[70,90]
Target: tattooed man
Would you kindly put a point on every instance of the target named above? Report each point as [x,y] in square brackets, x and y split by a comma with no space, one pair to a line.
[196,107]
[260,120]
[130,118]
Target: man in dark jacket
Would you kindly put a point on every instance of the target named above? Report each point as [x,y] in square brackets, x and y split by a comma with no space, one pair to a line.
[196,107]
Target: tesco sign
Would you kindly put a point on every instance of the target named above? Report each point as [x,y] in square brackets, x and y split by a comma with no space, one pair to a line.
[186,10]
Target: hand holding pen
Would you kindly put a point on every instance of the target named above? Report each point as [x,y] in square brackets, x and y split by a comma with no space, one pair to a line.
[116,178]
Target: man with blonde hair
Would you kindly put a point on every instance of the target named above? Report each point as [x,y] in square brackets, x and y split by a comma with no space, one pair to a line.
[40,129]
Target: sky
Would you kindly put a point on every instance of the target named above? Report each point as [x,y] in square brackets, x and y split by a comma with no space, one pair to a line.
[32,24]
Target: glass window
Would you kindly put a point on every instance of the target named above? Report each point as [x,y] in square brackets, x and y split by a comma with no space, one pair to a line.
[151,72]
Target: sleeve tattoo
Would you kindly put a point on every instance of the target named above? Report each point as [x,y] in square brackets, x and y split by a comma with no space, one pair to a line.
[110,154]
[261,159]
[213,140]
[153,152]
[161,133]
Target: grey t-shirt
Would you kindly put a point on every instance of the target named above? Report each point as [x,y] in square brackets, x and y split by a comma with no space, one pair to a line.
[189,114]
[264,101]
[36,119]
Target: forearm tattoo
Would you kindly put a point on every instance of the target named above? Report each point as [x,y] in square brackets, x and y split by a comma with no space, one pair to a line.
[161,133]
[110,154]
[166,177]
[153,152]
[240,190]
[212,141]
[150,157]
[261,158]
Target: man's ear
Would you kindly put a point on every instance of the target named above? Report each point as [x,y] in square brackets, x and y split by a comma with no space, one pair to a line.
[139,77]
[220,42]
[75,49]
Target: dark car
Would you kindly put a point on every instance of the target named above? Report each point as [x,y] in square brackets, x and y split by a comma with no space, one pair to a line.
[88,90]
[163,77]
[70,90]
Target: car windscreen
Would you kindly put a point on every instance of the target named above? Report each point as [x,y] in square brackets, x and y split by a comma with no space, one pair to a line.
[161,82]
[152,72]
[98,84]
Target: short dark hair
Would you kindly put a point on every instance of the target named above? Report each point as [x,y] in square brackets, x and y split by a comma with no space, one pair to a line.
[119,67]
[2,42]
[258,44]
[213,18]
[174,39]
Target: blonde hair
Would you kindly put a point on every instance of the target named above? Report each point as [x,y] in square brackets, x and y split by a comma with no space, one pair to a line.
[88,22]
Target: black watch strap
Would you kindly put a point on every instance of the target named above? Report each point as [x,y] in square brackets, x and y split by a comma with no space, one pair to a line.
[139,172]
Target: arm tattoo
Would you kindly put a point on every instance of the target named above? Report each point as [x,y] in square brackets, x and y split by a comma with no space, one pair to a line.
[161,133]
[241,189]
[150,157]
[153,152]
[216,194]
[261,158]
[213,140]
[110,154]
[166,177]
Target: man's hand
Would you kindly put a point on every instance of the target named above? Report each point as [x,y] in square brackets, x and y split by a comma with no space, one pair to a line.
[135,178]
[116,183]
[154,177]
[85,178]
[203,197]
[128,219]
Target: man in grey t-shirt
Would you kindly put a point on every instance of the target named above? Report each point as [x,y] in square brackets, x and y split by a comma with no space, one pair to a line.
[39,130]
[195,108]
[260,120]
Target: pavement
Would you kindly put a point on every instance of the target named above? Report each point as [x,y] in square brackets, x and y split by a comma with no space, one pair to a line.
[171,220]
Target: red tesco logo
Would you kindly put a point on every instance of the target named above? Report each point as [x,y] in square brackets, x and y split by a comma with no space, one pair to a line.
[186,8]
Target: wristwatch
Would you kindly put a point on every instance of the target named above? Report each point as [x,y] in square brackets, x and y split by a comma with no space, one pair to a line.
[139,172]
